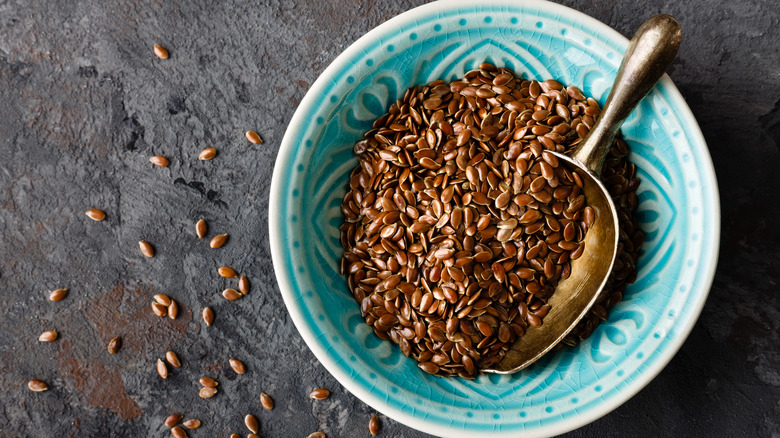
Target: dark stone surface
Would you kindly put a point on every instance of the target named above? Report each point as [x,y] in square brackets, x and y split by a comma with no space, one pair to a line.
[84,103]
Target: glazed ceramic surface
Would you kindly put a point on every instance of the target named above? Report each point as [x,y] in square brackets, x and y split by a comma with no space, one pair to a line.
[678,212]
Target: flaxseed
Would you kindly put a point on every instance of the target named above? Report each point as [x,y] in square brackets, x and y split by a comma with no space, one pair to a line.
[159,161]
[58,294]
[266,401]
[237,366]
[114,345]
[172,359]
[48,336]
[218,241]
[160,51]
[201,228]
[96,214]
[251,423]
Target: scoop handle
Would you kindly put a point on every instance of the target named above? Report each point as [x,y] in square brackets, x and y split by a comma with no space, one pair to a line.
[649,53]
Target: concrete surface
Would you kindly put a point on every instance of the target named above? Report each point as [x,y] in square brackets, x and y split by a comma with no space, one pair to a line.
[84,103]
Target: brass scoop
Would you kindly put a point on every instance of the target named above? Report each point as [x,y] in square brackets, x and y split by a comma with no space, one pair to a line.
[649,53]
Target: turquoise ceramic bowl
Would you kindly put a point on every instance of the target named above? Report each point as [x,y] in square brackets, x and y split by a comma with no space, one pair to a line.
[678,212]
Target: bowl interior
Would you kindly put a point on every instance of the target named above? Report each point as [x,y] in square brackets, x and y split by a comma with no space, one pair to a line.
[678,211]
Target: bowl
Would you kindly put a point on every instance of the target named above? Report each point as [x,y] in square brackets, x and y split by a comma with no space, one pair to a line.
[678,212]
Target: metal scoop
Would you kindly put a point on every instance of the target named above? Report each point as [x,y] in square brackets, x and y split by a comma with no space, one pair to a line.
[649,53]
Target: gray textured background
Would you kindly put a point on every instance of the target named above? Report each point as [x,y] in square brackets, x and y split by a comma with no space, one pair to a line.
[84,103]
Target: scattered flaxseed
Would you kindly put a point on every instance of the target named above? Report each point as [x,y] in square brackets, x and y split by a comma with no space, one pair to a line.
[227,272]
[191,424]
[243,285]
[58,294]
[207,392]
[231,294]
[208,382]
[319,394]
[254,137]
[218,241]
[146,248]
[208,316]
[159,309]
[96,214]
[159,161]
[173,359]
[237,366]
[207,154]
[162,370]
[173,310]
[316,435]
[251,423]
[373,425]
[178,432]
[163,299]
[201,228]
[266,401]
[173,419]
[160,51]
[37,385]
[48,336]
[114,345]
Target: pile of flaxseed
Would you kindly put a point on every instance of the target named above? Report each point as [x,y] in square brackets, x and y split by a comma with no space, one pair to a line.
[459,222]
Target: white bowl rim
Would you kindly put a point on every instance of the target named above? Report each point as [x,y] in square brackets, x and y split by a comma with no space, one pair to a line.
[278,254]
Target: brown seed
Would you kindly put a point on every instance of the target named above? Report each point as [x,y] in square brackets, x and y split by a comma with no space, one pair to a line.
[218,241]
[114,345]
[208,382]
[253,435]
[319,394]
[208,316]
[163,299]
[96,214]
[243,285]
[237,366]
[207,154]
[227,272]
[207,392]
[58,294]
[266,401]
[37,385]
[48,336]
[146,248]
[173,310]
[251,423]
[191,424]
[173,419]
[159,161]
[235,435]
[160,51]
[317,435]
[254,137]
[201,228]
[172,359]
[162,370]
[373,425]
[231,294]
[159,309]
[178,432]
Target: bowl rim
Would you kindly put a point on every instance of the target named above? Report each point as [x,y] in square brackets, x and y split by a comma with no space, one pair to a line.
[277,238]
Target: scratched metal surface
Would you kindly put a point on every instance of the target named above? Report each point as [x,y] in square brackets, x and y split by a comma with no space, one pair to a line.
[84,103]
